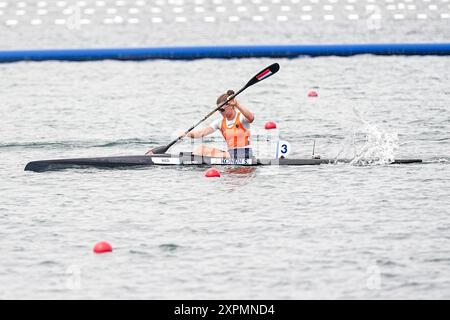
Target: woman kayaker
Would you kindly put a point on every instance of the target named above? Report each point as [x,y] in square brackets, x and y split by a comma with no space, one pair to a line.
[234,124]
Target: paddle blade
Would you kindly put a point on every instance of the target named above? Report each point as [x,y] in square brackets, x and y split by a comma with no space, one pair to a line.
[158,150]
[264,74]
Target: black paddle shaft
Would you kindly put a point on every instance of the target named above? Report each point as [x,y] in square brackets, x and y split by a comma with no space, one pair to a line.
[267,72]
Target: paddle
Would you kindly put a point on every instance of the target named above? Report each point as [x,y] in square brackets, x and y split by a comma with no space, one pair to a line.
[264,74]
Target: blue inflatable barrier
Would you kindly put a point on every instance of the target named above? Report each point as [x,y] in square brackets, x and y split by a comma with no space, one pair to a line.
[225,52]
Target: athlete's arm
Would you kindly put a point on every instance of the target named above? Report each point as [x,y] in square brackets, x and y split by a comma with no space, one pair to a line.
[200,133]
[245,112]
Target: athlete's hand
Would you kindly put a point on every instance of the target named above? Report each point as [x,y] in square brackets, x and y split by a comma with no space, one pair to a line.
[233,103]
[181,134]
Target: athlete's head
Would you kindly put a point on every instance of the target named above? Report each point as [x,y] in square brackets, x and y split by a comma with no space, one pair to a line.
[228,109]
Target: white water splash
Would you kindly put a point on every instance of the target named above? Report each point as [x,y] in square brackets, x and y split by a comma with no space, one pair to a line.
[378,147]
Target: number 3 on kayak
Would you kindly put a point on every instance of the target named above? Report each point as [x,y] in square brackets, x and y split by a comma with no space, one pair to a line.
[283,149]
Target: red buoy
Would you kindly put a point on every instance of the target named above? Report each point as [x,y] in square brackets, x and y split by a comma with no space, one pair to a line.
[270,125]
[212,173]
[102,247]
[312,94]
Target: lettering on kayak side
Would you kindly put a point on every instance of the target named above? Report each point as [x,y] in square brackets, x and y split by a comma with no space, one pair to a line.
[230,161]
[162,160]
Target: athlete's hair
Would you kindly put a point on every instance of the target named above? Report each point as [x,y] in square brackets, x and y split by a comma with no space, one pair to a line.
[223,97]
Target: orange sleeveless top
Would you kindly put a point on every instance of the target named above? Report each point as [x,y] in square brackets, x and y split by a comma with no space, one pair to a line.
[236,136]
